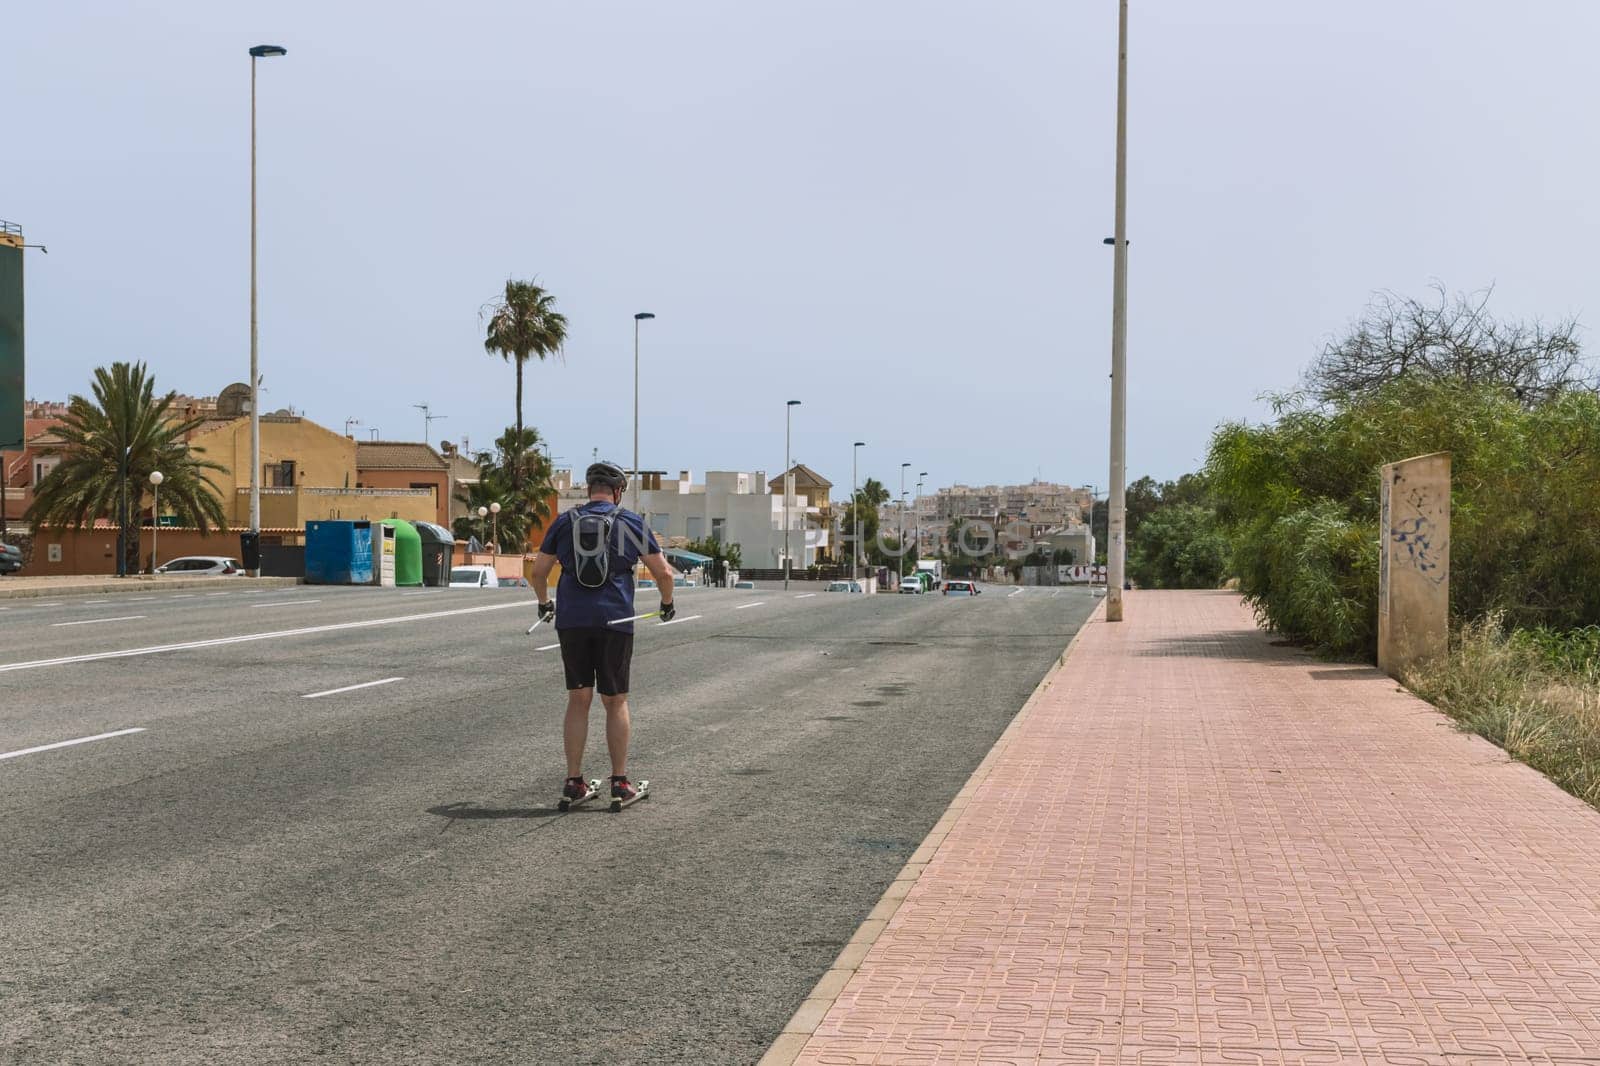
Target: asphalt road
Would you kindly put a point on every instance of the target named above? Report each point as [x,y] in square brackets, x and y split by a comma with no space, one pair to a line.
[378,875]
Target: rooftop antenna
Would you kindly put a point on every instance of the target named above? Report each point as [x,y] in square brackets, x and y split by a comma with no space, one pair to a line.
[350,422]
[428,419]
[374,431]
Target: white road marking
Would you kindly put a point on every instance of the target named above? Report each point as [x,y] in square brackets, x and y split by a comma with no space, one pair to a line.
[805,595]
[351,688]
[547,647]
[675,621]
[97,621]
[218,642]
[1014,592]
[747,606]
[285,603]
[70,743]
[55,604]
[403,595]
[139,599]
[182,596]
[219,594]
[94,601]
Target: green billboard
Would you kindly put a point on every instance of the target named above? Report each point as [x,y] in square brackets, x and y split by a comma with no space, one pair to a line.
[11,387]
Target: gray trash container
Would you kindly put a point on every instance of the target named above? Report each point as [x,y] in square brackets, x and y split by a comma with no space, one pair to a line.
[438,553]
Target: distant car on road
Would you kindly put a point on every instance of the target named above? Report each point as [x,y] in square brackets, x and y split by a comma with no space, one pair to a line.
[10,559]
[961,588]
[196,565]
[912,585]
[514,582]
[474,577]
[744,584]
[844,586]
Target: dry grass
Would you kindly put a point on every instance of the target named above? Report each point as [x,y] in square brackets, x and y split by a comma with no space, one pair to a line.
[1529,694]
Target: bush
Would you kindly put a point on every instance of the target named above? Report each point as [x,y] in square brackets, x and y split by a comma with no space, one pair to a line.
[1303,491]
[1178,547]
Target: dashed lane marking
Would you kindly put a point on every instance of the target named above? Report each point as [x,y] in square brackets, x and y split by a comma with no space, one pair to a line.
[805,595]
[70,743]
[285,603]
[351,688]
[675,621]
[547,647]
[747,606]
[97,621]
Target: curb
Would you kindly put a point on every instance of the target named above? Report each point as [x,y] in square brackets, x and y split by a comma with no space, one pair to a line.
[142,583]
[797,1031]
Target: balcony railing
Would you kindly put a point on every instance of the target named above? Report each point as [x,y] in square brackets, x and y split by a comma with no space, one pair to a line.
[337,492]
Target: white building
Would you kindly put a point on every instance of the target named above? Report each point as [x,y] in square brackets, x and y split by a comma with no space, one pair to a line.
[733,506]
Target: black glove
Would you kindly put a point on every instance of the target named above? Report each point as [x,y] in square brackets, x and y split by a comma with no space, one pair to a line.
[547,611]
[667,612]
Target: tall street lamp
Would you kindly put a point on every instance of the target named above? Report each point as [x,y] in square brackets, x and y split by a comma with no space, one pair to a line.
[901,536]
[483,518]
[494,509]
[122,513]
[642,316]
[1116,515]
[916,516]
[156,478]
[855,509]
[260,51]
[788,410]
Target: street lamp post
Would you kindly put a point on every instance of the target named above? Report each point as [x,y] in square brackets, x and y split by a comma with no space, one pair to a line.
[916,517]
[642,316]
[855,510]
[494,509]
[260,51]
[1116,512]
[788,410]
[901,535]
[483,517]
[156,478]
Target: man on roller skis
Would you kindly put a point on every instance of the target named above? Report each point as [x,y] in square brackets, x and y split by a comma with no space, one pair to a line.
[598,545]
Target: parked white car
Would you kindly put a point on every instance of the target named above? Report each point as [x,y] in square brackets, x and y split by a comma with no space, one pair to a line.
[912,584]
[473,577]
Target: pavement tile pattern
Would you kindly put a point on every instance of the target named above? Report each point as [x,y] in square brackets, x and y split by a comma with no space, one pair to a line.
[1202,848]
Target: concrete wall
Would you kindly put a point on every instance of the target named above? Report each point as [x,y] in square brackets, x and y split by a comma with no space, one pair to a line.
[1414,562]
[94,551]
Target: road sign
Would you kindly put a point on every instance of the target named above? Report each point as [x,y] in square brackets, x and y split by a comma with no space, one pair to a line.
[11,361]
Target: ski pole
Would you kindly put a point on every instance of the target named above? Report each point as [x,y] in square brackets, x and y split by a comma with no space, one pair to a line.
[635,618]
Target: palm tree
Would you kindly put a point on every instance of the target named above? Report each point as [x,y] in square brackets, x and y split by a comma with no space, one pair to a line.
[518,478]
[523,323]
[112,443]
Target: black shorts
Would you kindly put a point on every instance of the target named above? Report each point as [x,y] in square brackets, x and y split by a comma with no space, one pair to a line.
[596,657]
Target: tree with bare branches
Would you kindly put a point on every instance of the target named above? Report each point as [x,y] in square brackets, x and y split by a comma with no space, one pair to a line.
[1450,338]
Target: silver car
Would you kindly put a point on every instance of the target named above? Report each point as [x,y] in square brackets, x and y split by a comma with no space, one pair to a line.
[198,565]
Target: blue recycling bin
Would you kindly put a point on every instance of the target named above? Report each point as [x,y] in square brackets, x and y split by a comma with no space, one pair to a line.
[338,553]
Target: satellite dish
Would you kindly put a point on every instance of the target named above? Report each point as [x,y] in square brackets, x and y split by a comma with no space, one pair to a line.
[234,401]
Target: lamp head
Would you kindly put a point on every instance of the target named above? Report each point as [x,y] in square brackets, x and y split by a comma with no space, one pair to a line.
[483,512]
[156,477]
[793,403]
[263,51]
[860,444]
[495,507]
[643,316]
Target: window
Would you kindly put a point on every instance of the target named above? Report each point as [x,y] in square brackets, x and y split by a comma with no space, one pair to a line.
[278,475]
[717,526]
[42,468]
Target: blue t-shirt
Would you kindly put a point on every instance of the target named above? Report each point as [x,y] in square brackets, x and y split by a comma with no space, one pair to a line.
[578,607]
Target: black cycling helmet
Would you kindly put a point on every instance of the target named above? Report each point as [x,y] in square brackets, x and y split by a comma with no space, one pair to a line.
[608,474]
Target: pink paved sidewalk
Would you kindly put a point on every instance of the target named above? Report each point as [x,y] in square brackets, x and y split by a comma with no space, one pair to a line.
[1199,848]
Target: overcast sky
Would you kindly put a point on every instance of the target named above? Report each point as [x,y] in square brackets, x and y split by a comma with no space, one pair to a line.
[892,211]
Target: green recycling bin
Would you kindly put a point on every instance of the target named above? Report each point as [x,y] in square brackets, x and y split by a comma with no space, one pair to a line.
[407,553]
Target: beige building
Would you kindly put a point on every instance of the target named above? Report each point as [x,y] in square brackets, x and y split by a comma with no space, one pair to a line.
[308,473]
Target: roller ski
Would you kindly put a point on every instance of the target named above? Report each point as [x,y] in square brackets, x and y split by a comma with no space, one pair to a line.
[577,791]
[625,793]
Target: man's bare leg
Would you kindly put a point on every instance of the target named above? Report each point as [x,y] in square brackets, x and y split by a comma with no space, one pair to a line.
[575,732]
[617,730]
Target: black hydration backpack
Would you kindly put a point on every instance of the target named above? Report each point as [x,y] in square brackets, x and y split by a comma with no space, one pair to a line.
[591,547]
